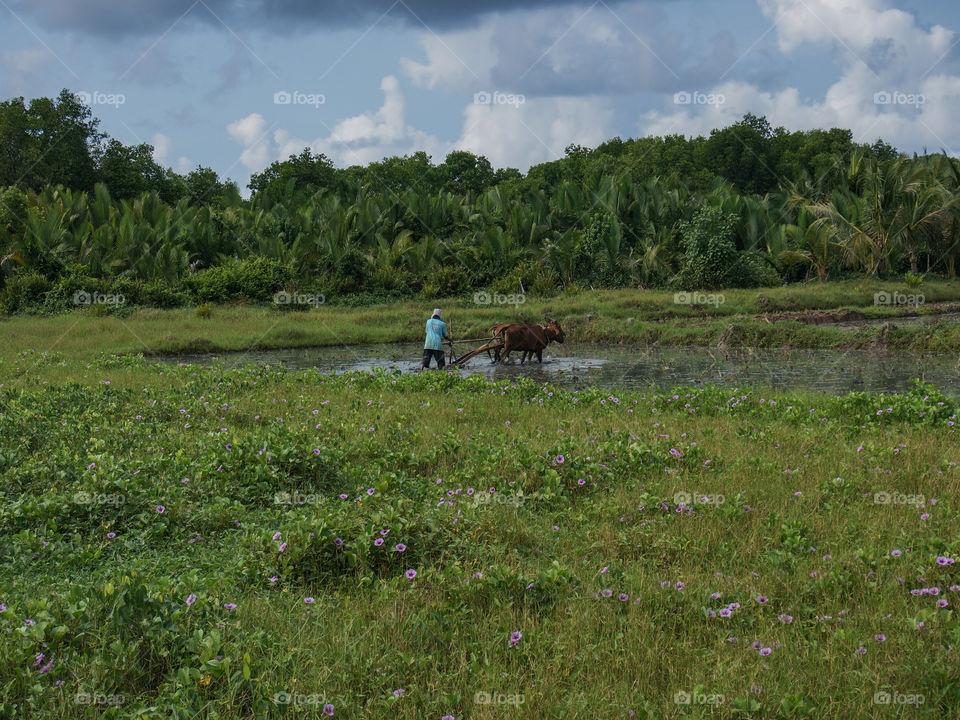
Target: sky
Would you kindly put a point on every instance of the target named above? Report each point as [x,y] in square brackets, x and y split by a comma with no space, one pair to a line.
[238,84]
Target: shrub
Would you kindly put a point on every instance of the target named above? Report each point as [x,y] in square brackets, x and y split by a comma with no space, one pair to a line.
[446,281]
[711,258]
[256,278]
[24,290]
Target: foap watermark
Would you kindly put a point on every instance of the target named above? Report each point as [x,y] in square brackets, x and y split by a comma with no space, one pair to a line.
[498,698]
[284,97]
[698,298]
[895,97]
[96,298]
[485,298]
[688,499]
[897,298]
[895,498]
[295,498]
[498,98]
[682,697]
[298,298]
[84,498]
[896,698]
[698,98]
[101,98]
[297,698]
[483,498]
[96,698]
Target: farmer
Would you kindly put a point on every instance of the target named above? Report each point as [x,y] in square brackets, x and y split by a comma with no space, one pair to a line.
[433,345]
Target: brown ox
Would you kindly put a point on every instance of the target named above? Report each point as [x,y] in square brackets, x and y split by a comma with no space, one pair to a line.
[529,338]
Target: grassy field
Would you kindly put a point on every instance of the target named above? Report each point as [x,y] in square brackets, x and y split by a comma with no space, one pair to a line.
[206,543]
[791,316]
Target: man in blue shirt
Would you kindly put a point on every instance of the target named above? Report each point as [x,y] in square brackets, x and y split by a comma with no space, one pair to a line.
[433,345]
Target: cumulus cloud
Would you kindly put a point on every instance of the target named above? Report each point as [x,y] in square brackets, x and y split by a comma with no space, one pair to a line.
[455,59]
[538,130]
[366,137]
[161,147]
[895,81]
[510,134]
[574,51]
[253,135]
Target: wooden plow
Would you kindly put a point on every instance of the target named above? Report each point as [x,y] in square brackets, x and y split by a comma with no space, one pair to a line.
[488,344]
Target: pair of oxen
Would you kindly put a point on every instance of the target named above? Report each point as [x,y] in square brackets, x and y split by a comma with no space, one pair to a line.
[527,338]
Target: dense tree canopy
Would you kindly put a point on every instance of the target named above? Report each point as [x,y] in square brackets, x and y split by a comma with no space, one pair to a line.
[749,204]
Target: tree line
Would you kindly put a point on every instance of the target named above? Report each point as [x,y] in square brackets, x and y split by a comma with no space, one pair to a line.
[747,205]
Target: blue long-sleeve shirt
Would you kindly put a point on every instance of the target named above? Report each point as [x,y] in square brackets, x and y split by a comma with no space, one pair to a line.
[436,331]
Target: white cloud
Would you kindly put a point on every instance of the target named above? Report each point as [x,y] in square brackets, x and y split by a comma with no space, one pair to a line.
[184,165]
[509,135]
[252,133]
[366,137]
[884,55]
[533,132]
[161,147]
[457,59]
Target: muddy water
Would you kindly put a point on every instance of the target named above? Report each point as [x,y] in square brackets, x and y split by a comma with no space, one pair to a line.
[618,366]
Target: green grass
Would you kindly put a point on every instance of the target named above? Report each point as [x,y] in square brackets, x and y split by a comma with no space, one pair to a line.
[798,523]
[768,317]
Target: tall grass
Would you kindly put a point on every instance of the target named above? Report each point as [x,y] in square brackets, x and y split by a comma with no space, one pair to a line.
[792,506]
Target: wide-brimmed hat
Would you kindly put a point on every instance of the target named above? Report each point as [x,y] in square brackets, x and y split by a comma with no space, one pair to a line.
[438,313]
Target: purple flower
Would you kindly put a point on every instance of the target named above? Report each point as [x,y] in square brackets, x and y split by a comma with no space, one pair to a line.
[48,667]
[398,692]
[515,637]
[942,603]
[606,592]
[762,599]
[308,600]
[378,542]
[328,709]
[559,459]
[400,547]
[765,651]
[623,597]
[29,623]
[448,717]
[160,509]
[191,599]
[230,606]
[370,491]
[861,650]
[880,638]
[785,619]
[276,536]
[283,546]
[38,660]
[725,612]
[111,535]
[896,553]
[338,542]
[411,574]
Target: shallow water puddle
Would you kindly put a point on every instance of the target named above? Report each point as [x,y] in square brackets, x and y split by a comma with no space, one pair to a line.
[619,366]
